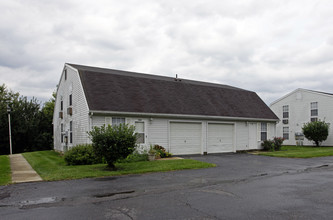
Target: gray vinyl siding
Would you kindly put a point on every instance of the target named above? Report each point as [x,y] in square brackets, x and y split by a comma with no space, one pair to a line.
[242,133]
[299,113]
[98,121]
[79,117]
[158,132]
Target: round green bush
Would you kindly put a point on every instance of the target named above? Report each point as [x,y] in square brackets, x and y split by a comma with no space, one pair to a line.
[113,142]
[81,155]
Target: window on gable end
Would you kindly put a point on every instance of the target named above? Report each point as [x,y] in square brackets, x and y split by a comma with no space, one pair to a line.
[285,131]
[71,132]
[285,110]
[314,111]
[70,100]
[62,132]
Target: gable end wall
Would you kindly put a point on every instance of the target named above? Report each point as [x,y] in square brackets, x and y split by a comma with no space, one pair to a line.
[299,113]
[79,117]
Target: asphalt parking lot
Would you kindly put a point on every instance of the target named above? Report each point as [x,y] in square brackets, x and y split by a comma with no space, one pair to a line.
[242,186]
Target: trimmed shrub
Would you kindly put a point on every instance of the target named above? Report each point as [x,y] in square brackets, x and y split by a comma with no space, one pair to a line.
[81,155]
[268,145]
[113,142]
[273,145]
[278,141]
[134,157]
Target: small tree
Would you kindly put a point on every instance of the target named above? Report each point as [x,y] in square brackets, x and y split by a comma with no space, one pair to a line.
[113,142]
[316,131]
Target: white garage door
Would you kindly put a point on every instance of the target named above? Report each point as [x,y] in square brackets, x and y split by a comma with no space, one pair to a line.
[220,138]
[185,138]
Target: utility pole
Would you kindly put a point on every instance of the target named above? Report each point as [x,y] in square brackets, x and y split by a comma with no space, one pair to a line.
[10,131]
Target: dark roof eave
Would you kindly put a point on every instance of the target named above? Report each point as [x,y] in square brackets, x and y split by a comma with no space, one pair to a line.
[180,116]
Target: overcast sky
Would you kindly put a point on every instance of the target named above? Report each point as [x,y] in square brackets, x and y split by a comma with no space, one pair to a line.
[270,47]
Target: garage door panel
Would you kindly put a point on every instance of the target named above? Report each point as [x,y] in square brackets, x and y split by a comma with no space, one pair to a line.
[220,138]
[185,138]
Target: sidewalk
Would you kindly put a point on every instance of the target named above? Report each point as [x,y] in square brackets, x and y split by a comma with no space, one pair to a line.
[21,170]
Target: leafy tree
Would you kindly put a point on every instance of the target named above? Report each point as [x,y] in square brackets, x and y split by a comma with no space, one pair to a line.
[316,131]
[44,140]
[31,126]
[113,142]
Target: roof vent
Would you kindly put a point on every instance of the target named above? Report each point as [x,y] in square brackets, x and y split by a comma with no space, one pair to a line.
[176,79]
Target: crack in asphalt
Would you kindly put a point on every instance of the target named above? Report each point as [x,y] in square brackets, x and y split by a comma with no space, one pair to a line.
[125,213]
[128,194]
[4,195]
[188,204]
[113,194]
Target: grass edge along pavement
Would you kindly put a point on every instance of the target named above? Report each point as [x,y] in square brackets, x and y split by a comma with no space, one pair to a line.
[5,171]
[299,152]
[50,165]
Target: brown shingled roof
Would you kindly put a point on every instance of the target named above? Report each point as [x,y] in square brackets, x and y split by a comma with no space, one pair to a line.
[122,91]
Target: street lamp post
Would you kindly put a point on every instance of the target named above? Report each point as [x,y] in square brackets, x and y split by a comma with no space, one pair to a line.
[10,130]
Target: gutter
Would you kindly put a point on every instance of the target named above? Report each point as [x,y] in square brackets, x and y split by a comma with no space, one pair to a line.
[161,115]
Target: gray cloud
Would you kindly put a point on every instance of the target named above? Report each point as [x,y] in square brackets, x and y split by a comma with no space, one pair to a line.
[271,47]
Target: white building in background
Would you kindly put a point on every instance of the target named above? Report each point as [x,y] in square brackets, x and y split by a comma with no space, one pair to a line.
[299,107]
[183,116]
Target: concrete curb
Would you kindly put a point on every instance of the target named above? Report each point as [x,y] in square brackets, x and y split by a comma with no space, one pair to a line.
[21,170]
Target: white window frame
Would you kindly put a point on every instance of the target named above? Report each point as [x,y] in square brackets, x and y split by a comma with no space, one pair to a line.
[263,131]
[285,111]
[285,132]
[113,120]
[71,132]
[65,73]
[142,133]
[70,99]
[118,120]
[62,133]
[314,111]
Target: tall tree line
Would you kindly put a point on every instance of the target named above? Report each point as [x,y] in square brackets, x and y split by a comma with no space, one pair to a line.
[31,122]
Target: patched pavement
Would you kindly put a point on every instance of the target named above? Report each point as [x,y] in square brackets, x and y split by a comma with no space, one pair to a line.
[242,186]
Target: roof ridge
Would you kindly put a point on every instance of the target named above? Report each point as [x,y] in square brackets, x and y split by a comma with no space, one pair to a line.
[326,93]
[124,91]
[151,76]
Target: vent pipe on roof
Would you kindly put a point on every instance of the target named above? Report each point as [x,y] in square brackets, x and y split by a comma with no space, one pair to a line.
[176,79]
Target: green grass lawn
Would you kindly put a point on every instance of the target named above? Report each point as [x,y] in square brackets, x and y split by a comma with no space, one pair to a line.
[5,172]
[300,152]
[51,166]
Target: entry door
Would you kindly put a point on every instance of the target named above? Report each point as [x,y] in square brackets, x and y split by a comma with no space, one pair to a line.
[220,138]
[185,138]
[253,143]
